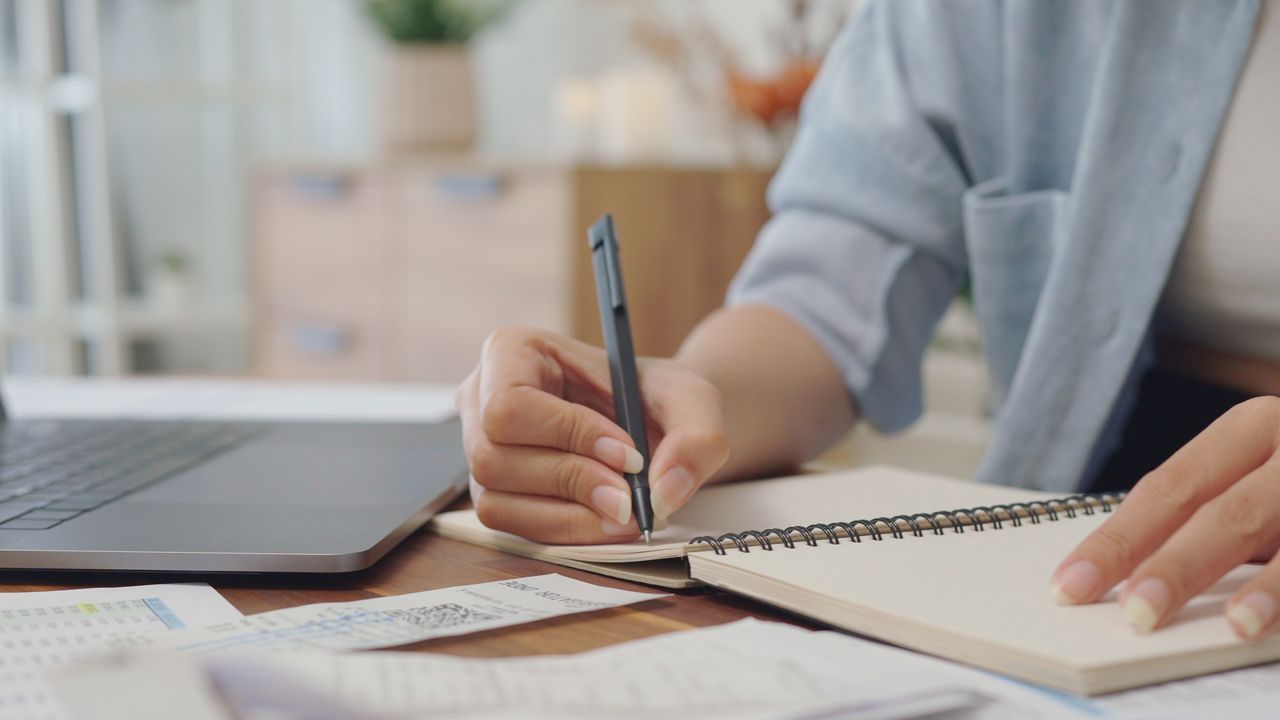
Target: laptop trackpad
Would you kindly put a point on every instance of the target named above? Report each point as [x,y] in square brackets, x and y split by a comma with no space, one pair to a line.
[320,465]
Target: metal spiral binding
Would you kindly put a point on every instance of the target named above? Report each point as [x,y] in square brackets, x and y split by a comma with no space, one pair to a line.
[977,518]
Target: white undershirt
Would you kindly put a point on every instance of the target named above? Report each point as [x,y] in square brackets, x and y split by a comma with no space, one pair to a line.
[1224,291]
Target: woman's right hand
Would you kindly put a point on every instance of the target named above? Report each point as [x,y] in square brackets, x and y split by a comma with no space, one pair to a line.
[546,457]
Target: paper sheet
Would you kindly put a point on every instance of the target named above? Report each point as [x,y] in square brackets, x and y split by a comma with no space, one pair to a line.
[41,630]
[143,686]
[399,619]
[747,669]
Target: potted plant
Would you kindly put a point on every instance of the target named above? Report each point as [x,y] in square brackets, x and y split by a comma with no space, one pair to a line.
[168,286]
[428,96]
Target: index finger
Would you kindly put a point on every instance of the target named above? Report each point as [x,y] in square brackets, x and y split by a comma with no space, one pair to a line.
[520,399]
[1231,447]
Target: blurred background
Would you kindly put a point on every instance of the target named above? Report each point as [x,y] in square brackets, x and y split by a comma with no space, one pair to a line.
[364,189]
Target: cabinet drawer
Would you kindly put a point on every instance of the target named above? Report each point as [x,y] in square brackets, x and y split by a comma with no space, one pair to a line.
[325,262]
[480,261]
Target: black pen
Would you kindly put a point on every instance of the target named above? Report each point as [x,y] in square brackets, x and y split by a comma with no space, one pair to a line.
[622,361]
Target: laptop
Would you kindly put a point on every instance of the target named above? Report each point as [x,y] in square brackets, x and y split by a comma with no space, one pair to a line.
[200,496]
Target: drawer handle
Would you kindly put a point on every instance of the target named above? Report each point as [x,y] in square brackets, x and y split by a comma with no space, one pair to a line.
[470,186]
[320,187]
[317,338]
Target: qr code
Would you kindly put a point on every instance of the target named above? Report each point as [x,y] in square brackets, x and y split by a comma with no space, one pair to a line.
[443,615]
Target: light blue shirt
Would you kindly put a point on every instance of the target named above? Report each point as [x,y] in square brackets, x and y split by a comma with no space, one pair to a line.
[1048,150]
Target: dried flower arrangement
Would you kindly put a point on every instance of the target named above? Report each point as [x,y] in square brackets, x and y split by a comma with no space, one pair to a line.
[771,101]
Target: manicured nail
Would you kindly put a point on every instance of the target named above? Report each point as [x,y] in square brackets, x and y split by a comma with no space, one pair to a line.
[671,491]
[616,453]
[1251,613]
[1146,603]
[612,503]
[609,527]
[1075,583]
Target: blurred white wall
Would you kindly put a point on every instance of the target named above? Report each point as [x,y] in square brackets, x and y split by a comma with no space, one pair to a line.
[521,61]
[184,100]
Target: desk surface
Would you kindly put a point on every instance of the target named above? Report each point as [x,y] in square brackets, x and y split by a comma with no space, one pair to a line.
[426,561]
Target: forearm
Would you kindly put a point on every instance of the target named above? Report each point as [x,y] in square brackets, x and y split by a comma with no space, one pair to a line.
[785,401]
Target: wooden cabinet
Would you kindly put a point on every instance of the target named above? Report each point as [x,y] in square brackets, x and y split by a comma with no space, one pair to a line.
[399,272]
[683,234]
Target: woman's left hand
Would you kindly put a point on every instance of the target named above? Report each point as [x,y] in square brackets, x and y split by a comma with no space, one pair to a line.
[1212,506]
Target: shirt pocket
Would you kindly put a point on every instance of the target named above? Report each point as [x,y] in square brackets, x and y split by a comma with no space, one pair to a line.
[1011,240]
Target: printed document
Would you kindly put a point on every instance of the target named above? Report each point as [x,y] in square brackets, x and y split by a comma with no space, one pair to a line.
[42,630]
[399,619]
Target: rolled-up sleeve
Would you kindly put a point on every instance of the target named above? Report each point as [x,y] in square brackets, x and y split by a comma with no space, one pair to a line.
[865,246]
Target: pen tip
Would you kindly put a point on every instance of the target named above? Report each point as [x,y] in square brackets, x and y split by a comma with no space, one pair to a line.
[648,537]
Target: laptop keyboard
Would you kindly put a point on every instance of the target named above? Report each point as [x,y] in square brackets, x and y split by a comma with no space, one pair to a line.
[52,471]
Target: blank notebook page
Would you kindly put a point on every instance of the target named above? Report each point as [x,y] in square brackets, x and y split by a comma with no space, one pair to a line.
[983,598]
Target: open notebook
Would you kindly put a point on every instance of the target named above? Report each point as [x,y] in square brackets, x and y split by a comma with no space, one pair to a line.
[971,584]
[802,500]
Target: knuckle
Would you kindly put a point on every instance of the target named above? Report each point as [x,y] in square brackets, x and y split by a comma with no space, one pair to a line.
[488,513]
[1116,546]
[497,339]
[570,433]
[1168,487]
[571,481]
[501,413]
[1177,572]
[712,395]
[507,337]
[706,394]
[710,441]
[568,529]
[485,460]
[1246,516]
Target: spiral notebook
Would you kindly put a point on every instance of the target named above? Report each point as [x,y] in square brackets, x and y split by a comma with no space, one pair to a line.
[978,592]
[951,568]
[803,499]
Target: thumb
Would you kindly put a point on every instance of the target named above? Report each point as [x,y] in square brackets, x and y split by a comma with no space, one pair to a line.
[693,444]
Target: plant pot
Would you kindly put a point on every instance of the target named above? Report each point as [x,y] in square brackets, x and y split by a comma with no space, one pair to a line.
[427,99]
[169,291]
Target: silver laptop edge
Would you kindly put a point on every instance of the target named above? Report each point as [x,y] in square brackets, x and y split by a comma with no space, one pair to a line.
[298,497]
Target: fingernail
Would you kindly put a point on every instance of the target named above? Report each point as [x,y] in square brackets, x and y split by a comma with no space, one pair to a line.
[1251,613]
[1075,582]
[609,527]
[1146,603]
[634,462]
[616,453]
[671,491]
[612,503]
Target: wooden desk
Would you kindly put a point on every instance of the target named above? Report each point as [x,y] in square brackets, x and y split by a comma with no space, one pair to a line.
[425,562]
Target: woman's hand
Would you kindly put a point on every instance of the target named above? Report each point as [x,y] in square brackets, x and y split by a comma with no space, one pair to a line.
[1212,506]
[547,459]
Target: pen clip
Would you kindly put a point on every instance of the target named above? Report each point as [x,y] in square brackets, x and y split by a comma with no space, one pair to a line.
[603,239]
[617,299]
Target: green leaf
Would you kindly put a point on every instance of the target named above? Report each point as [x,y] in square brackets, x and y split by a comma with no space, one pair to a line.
[433,21]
